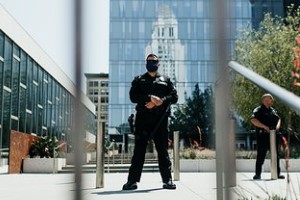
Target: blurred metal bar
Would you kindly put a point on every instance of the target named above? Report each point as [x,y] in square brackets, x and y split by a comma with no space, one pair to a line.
[287,97]
[273,164]
[78,107]
[176,156]
[222,102]
[100,157]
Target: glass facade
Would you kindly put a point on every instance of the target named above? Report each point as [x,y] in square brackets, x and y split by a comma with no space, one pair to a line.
[275,7]
[180,32]
[261,7]
[31,100]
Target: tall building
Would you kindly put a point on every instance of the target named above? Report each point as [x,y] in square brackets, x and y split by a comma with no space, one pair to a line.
[97,92]
[36,96]
[165,44]
[274,7]
[180,32]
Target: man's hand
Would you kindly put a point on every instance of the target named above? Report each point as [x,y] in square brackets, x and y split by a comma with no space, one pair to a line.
[156,100]
[150,105]
[267,129]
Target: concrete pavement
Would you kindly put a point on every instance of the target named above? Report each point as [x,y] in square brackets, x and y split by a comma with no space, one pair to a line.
[191,186]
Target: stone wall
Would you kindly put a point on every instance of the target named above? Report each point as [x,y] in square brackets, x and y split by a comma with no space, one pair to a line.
[18,150]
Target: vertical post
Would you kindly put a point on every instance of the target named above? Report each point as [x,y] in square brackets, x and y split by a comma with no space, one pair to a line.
[100,157]
[78,134]
[273,165]
[222,100]
[54,171]
[176,156]
[113,153]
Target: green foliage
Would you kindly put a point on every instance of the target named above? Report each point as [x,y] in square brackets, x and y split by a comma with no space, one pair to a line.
[197,111]
[43,147]
[268,52]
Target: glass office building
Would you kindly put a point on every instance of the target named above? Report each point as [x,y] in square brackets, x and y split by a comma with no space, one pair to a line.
[36,97]
[275,7]
[180,32]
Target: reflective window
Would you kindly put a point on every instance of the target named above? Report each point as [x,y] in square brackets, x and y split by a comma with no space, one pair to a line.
[40,86]
[15,85]
[29,85]
[6,126]
[7,62]
[23,68]
[22,114]
[1,44]
[14,124]
[34,94]
[28,123]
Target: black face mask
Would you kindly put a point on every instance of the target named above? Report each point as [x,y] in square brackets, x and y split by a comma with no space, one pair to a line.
[152,65]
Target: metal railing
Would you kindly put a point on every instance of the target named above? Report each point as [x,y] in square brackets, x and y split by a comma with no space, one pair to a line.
[285,96]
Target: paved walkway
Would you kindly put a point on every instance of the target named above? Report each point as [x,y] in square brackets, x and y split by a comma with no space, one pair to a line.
[192,186]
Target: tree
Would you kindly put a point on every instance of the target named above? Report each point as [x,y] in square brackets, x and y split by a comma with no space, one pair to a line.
[194,115]
[268,52]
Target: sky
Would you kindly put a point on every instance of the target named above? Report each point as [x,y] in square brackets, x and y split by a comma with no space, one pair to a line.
[50,24]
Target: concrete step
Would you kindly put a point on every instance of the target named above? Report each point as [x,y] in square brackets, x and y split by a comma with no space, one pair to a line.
[121,161]
[116,168]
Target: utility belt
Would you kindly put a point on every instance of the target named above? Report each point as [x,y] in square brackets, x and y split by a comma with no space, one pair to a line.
[263,131]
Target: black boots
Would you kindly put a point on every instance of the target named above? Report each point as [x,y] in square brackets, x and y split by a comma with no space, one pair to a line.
[169,185]
[257,177]
[130,185]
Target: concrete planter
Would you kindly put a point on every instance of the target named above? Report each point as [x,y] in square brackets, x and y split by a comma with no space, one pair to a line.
[242,165]
[43,165]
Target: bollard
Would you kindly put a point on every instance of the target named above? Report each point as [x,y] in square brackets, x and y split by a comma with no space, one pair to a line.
[100,157]
[273,164]
[176,156]
[54,171]
[230,167]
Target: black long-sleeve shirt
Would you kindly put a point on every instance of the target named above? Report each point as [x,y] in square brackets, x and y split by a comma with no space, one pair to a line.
[144,86]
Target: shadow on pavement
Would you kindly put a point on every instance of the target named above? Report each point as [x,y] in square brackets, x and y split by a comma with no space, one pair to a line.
[126,191]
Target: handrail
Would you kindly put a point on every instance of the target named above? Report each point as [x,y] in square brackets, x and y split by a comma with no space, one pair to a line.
[289,98]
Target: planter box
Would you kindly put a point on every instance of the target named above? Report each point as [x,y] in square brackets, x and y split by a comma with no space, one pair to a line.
[242,165]
[43,165]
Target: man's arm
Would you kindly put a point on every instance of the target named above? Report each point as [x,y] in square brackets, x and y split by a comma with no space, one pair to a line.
[278,124]
[258,124]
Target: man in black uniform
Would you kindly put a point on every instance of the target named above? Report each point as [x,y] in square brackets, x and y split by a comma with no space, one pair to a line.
[153,94]
[265,118]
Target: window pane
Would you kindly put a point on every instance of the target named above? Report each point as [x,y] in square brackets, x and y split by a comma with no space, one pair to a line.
[28,123]
[7,62]
[14,124]
[1,44]
[23,67]
[6,118]
[15,88]
[22,109]
[29,84]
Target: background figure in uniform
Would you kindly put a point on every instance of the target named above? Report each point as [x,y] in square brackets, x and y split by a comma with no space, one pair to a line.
[265,118]
[131,123]
[153,93]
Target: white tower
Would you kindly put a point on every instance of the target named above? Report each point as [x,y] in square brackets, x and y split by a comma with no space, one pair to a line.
[165,44]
